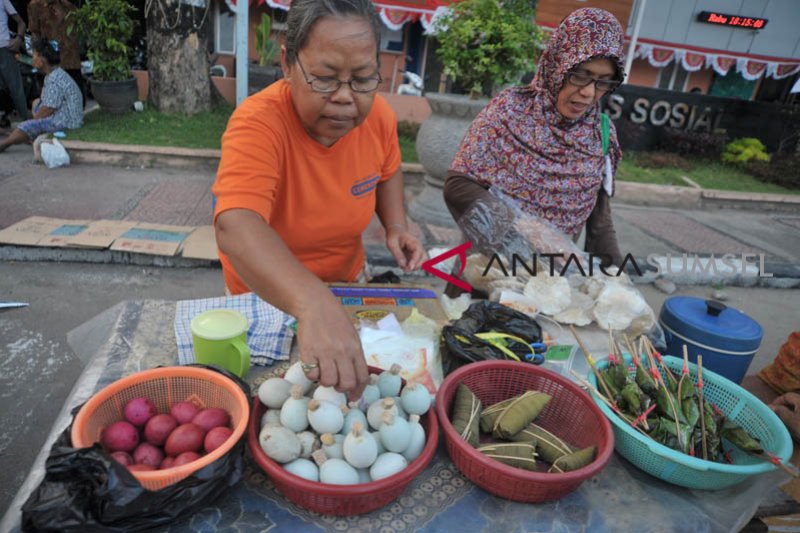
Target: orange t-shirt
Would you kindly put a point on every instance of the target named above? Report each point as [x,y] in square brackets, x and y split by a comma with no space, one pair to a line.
[318,199]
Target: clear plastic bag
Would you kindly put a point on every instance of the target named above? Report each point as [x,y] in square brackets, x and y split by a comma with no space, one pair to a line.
[54,154]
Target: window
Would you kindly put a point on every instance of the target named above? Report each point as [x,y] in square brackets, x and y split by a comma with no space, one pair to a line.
[392,40]
[673,77]
[224,29]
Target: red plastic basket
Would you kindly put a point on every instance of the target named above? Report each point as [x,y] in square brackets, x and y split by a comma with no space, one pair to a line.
[341,500]
[570,414]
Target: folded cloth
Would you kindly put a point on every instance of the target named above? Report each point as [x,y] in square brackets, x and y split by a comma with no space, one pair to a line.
[269,336]
[783,375]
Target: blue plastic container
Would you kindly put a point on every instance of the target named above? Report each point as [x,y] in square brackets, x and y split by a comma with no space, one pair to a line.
[725,337]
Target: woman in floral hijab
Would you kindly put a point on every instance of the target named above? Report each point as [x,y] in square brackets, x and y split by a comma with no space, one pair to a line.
[541,144]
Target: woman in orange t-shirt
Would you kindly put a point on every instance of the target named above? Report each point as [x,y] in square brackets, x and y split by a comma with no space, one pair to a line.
[305,165]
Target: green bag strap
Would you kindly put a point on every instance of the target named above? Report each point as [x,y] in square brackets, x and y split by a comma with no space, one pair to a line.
[605,131]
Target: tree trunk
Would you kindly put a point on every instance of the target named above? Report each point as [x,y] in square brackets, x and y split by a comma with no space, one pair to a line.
[177,59]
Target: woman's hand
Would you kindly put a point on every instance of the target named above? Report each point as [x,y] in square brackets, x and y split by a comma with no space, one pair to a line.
[406,249]
[330,348]
[787,407]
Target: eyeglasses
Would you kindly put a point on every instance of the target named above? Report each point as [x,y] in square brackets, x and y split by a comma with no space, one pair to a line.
[579,79]
[331,85]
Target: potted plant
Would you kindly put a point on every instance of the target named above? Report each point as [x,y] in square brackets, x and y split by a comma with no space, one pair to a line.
[265,72]
[107,27]
[483,44]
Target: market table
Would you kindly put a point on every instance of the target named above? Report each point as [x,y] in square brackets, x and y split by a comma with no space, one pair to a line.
[137,335]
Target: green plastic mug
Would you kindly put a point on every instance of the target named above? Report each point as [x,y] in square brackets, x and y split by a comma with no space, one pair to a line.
[220,338]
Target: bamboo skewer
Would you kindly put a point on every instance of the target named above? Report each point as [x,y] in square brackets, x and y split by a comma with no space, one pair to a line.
[702,404]
[591,362]
[611,406]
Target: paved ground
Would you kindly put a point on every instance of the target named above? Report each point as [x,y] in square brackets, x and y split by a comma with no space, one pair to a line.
[37,367]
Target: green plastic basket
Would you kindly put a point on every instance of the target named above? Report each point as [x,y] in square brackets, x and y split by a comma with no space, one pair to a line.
[680,469]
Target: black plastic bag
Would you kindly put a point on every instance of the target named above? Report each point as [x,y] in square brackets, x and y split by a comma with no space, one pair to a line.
[85,489]
[463,346]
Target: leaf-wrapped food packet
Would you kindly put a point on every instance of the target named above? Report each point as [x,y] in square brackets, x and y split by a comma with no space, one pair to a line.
[548,446]
[574,460]
[740,438]
[466,415]
[489,415]
[517,454]
[519,413]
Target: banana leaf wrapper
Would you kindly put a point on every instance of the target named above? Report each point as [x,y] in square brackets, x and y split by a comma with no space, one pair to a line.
[489,414]
[634,398]
[519,413]
[548,446]
[740,438]
[687,388]
[665,431]
[667,405]
[574,461]
[645,381]
[691,410]
[466,415]
[619,373]
[608,378]
[516,454]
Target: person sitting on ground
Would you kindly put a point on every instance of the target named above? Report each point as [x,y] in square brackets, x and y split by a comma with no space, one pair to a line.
[305,165]
[783,378]
[60,107]
[543,144]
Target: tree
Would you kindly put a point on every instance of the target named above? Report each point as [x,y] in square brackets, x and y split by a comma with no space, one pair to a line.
[177,61]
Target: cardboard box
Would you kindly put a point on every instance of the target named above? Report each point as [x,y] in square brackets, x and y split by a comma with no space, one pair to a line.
[32,230]
[154,239]
[373,301]
[201,244]
[60,237]
[100,234]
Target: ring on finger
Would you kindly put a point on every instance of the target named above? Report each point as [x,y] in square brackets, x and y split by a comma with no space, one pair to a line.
[308,367]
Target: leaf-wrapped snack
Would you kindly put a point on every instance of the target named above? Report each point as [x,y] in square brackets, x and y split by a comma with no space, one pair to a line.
[741,438]
[574,461]
[466,415]
[490,414]
[548,446]
[517,454]
[519,413]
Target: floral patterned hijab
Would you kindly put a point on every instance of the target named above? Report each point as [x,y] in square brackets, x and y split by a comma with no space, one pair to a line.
[522,145]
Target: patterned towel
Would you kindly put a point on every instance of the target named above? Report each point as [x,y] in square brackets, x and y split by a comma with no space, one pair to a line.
[269,336]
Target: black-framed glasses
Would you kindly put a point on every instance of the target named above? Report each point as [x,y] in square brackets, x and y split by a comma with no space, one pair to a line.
[331,85]
[579,79]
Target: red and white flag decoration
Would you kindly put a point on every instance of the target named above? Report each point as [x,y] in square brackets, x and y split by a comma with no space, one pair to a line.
[750,69]
[721,64]
[691,61]
[780,71]
[394,19]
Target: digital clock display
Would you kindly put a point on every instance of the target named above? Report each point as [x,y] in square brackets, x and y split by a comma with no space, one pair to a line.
[723,19]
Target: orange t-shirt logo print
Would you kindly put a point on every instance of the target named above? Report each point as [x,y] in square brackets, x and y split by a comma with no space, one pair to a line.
[461,252]
[364,186]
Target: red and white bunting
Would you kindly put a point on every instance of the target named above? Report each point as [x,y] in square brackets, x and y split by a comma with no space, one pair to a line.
[692,61]
[394,19]
[780,71]
[750,69]
[278,4]
[721,64]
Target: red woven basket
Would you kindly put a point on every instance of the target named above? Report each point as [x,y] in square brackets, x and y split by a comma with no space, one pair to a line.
[341,500]
[570,414]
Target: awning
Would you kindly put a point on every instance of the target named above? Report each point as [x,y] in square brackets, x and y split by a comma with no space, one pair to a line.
[394,13]
[750,66]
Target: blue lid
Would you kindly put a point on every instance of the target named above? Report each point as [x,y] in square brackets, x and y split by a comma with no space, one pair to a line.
[712,323]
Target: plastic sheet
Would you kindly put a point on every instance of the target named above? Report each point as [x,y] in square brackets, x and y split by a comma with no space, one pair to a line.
[463,346]
[85,489]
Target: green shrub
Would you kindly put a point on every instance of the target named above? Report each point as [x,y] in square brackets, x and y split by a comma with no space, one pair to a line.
[691,143]
[783,170]
[267,49]
[483,43]
[106,26]
[745,150]
[407,129]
